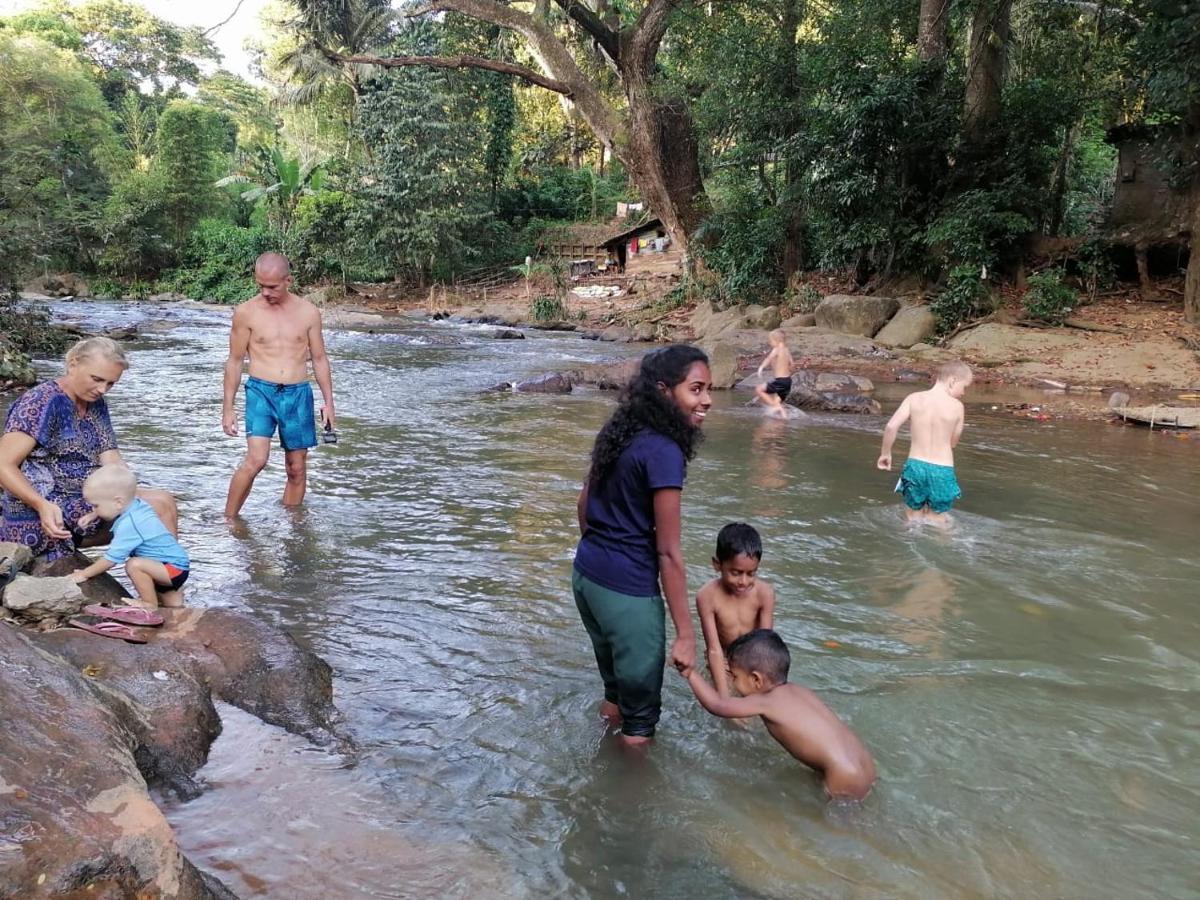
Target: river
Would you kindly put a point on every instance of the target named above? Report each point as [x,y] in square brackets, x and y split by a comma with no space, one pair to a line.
[1027,683]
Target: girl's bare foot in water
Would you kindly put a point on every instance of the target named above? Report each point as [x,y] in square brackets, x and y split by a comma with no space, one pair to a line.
[610,713]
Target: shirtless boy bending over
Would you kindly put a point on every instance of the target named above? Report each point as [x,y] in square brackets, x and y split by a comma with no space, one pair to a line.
[795,716]
[280,332]
[927,481]
[735,602]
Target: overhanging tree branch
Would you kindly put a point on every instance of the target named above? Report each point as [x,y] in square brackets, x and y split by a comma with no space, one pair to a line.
[608,39]
[649,30]
[454,62]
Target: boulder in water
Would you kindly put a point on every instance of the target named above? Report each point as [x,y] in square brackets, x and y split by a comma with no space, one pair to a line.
[911,325]
[508,334]
[550,383]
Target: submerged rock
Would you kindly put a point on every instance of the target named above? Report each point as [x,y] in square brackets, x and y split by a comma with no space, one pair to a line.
[805,398]
[508,334]
[550,383]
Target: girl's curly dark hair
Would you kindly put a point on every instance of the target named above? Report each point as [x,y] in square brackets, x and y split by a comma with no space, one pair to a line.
[644,405]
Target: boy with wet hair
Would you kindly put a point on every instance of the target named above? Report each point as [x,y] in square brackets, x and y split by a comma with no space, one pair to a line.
[927,481]
[154,561]
[736,601]
[773,393]
[795,717]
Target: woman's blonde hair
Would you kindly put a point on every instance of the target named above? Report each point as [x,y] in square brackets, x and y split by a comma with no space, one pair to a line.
[97,347]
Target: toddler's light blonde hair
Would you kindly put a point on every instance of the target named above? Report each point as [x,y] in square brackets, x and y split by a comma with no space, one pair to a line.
[114,480]
[777,336]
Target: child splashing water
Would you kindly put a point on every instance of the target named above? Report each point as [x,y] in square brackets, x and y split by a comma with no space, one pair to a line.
[629,518]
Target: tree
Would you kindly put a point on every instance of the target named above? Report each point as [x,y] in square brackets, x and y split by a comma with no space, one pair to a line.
[281,182]
[1166,55]
[652,132]
[194,144]
[247,104]
[54,131]
[418,194]
[127,46]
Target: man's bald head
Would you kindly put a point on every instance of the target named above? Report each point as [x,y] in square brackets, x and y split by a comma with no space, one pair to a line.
[273,264]
[273,274]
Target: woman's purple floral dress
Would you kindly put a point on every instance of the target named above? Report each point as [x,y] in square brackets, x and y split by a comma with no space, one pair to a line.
[68,449]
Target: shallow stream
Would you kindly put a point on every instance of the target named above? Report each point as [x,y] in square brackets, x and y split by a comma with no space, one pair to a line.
[1027,683]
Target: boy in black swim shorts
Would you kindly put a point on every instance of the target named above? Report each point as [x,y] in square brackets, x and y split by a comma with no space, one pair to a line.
[774,392]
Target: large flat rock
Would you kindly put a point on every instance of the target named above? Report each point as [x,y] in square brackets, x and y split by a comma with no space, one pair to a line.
[76,818]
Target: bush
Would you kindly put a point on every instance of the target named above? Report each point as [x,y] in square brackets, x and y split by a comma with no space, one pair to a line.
[219,262]
[28,328]
[966,296]
[547,308]
[1048,299]
[804,299]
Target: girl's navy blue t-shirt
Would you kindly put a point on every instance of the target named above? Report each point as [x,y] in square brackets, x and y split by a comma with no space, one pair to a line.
[618,550]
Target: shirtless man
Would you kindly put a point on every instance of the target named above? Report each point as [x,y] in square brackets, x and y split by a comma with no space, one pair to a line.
[928,482]
[280,332]
[735,602]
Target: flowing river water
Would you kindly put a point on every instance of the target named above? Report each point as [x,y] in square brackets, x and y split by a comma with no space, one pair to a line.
[1027,683]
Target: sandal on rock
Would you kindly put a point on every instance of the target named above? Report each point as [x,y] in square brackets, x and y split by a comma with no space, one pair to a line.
[130,615]
[106,628]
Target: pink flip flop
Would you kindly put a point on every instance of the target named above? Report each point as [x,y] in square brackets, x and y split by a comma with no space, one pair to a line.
[130,615]
[107,628]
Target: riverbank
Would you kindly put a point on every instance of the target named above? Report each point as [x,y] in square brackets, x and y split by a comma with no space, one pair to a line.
[1120,344]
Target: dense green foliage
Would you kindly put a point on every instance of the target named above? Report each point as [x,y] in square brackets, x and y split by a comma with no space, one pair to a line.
[825,139]
[1048,299]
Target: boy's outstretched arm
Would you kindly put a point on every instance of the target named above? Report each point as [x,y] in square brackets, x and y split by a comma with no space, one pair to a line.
[890,431]
[712,643]
[725,707]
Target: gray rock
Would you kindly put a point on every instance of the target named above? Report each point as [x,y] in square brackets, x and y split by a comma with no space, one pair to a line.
[644,332]
[103,588]
[801,320]
[59,284]
[607,376]
[17,554]
[124,333]
[803,398]
[854,314]
[508,334]
[770,319]
[1117,400]
[35,599]
[551,383]
[723,363]
[911,325]
[168,297]
[839,382]
[617,334]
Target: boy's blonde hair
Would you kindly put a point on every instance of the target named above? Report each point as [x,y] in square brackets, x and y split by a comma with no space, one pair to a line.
[777,335]
[955,368]
[113,479]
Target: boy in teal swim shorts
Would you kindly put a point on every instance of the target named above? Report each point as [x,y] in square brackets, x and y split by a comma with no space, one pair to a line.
[927,481]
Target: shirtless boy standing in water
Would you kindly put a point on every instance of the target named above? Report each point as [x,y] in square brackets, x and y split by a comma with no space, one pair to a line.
[279,332]
[735,602]
[775,392]
[927,481]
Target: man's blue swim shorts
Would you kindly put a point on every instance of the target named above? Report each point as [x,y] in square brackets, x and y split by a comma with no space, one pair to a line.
[288,407]
[928,485]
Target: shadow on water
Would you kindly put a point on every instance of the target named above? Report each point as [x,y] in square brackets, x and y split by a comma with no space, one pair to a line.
[1026,681]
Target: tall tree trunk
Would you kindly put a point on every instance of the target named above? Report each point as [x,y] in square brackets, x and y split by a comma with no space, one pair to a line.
[793,236]
[1191,285]
[986,64]
[931,30]
[1058,190]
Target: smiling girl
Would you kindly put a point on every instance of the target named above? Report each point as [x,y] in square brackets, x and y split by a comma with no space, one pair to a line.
[629,516]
